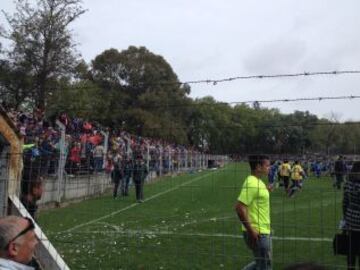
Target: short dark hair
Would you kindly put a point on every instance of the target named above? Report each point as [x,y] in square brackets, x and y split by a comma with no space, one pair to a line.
[255,160]
[305,266]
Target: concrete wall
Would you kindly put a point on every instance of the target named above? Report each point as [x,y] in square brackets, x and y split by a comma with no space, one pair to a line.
[74,188]
[78,188]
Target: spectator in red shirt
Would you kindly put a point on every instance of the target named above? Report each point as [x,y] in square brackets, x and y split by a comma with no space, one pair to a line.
[75,158]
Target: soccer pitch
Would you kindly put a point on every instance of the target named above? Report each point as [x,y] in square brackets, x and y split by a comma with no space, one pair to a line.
[189,222]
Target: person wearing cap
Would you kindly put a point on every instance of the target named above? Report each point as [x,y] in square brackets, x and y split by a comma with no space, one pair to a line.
[17,243]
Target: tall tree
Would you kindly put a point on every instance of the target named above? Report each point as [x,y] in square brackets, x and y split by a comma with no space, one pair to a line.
[210,126]
[42,42]
[147,89]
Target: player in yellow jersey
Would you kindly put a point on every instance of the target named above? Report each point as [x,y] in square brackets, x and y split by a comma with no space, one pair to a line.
[297,175]
[284,172]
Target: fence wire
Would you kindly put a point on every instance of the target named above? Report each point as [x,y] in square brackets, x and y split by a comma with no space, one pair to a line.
[120,201]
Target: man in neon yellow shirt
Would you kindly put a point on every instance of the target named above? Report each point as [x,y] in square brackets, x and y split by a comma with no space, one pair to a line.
[253,209]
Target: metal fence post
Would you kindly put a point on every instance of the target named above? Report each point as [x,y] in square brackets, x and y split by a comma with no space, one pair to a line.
[61,164]
[148,159]
[198,161]
[169,159]
[106,146]
[160,161]
[191,160]
[177,156]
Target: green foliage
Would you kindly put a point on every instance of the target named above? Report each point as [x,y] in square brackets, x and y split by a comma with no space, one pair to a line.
[15,84]
[42,43]
[138,90]
[146,89]
[210,124]
[80,99]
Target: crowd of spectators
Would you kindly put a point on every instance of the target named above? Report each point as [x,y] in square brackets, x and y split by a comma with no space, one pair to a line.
[84,150]
[161,155]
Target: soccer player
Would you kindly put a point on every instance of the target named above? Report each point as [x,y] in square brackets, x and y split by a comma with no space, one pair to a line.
[297,174]
[253,209]
[306,167]
[318,169]
[285,170]
[273,172]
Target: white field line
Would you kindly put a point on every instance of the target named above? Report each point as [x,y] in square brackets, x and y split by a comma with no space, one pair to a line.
[118,230]
[234,216]
[136,204]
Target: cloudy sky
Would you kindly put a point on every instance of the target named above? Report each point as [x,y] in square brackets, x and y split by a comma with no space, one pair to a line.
[208,39]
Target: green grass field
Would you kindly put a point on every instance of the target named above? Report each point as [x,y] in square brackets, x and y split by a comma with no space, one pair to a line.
[189,222]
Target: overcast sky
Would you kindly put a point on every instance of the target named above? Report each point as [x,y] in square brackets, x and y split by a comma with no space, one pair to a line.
[207,39]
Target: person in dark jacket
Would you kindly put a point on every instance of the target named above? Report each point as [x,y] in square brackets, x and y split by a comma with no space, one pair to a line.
[31,184]
[339,171]
[351,211]
[117,174]
[128,170]
[139,174]
[31,189]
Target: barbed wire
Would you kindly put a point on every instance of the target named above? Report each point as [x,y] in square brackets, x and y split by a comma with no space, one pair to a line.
[196,102]
[229,79]
[286,75]
[265,125]
[298,99]
[350,97]
[322,98]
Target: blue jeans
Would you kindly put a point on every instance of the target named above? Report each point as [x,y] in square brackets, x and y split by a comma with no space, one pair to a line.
[98,163]
[125,185]
[262,252]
